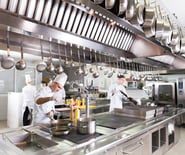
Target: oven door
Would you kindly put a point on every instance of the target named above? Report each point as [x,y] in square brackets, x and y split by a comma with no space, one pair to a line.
[164,93]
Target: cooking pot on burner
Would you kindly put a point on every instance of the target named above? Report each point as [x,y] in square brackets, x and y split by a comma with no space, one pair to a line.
[86,125]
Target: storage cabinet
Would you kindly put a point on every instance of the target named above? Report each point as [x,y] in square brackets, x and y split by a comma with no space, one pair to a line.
[136,146]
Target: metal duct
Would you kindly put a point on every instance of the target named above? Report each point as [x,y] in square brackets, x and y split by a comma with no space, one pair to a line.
[73,18]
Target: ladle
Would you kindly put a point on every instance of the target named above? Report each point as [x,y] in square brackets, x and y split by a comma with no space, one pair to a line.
[79,71]
[96,73]
[21,64]
[8,62]
[42,65]
[50,66]
[85,68]
[59,69]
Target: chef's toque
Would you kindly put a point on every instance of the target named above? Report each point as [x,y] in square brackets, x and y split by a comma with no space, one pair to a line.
[27,78]
[61,78]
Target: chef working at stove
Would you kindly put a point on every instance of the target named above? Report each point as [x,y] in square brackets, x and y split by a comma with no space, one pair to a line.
[45,100]
[117,93]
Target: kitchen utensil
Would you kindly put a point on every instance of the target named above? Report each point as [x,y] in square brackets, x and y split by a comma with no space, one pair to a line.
[138,14]
[60,122]
[59,69]
[50,67]
[86,125]
[60,130]
[42,65]
[21,64]
[7,62]
[130,9]
[109,4]
[96,72]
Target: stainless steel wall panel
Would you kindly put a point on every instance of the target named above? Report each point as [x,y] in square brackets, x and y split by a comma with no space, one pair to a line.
[86,26]
[91,27]
[39,9]
[82,23]
[54,11]
[46,12]
[60,14]
[77,21]
[72,19]
[66,17]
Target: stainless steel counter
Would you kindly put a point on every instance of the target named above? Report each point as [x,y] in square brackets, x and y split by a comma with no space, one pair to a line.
[107,138]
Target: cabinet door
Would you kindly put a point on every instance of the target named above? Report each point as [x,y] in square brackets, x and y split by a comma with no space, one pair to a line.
[136,146]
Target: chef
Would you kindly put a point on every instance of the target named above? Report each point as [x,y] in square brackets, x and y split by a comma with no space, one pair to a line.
[45,100]
[117,93]
[28,92]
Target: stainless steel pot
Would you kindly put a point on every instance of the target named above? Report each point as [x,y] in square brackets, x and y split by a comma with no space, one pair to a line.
[109,4]
[86,125]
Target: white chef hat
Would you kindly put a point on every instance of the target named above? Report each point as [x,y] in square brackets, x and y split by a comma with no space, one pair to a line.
[61,78]
[27,78]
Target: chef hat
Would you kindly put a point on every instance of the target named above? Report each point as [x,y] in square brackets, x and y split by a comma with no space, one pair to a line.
[61,78]
[121,75]
[27,78]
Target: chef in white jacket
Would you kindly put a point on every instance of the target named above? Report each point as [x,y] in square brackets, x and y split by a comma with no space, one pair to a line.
[45,100]
[117,93]
[28,92]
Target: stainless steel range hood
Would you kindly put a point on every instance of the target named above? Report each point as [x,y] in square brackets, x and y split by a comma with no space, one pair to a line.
[79,22]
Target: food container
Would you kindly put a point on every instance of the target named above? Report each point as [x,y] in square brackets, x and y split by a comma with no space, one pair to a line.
[86,125]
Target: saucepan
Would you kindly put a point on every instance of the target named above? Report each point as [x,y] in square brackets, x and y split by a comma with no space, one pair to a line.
[86,125]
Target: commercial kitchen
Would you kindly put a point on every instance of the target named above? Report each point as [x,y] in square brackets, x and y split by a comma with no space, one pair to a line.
[93,41]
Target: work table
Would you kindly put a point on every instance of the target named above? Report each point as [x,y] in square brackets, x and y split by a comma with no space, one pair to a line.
[106,138]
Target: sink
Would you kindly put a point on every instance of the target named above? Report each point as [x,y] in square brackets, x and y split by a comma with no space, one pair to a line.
[28,141]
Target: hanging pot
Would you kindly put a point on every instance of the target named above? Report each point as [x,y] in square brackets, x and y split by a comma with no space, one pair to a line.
[21,64]
[138,14]
[42,65]
[109,4]
[8,62]
[159,25]
[130,9]
[122,6]
[86,125]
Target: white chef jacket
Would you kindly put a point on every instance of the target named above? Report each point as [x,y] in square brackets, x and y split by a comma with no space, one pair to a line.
[116,98]
[29,92]
[42,110]
[60,96]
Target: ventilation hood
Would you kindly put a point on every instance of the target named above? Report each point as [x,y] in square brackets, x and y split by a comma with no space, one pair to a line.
[81,23]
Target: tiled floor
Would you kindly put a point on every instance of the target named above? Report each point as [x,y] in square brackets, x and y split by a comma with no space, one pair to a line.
[178,149]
